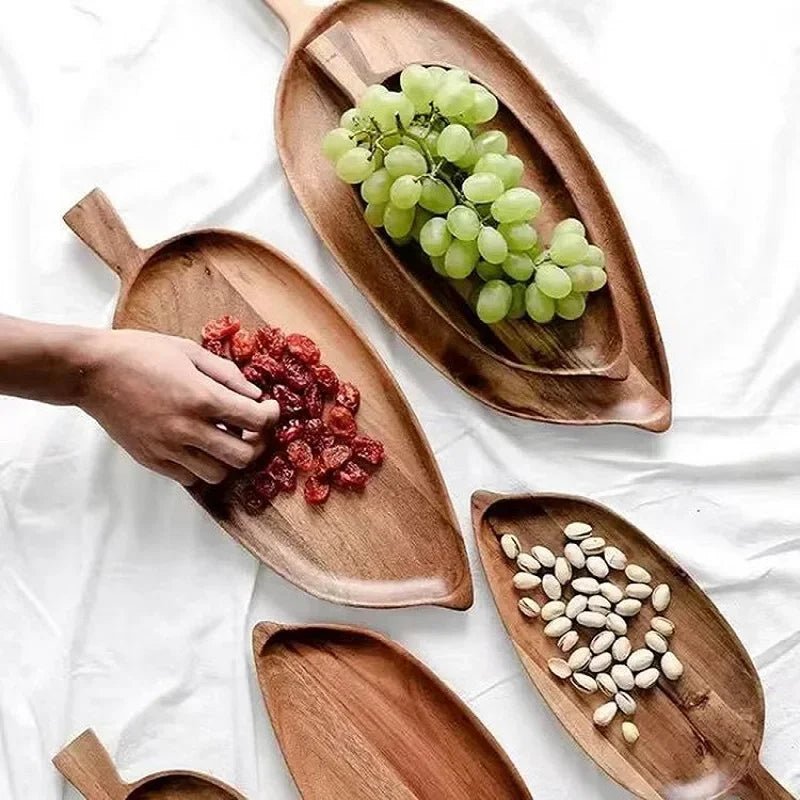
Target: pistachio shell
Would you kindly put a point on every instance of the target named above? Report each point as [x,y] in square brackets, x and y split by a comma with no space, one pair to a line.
[557,627]
[591,619]
[551,586]
[510,545]
[529,607]
[559,668]
[603,715]
[597,566]
[544,555]
[671,666]
[524,581]
[662,595]
[575,555]
[553,610]
[577,604]
[637,574]
[577,531]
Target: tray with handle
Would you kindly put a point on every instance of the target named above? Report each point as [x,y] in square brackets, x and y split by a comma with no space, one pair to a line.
[398,544]
[611,366]
[700,736]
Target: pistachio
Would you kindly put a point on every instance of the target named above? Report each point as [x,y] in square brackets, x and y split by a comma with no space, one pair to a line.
[602,716]
[584,683]
[593,545]
[529,607]
[552,610]
[580,658]
[621,649]
[557,627]
[602,642]
[606,684]
[623,677]
[600,663]
[647,678]
[510,545]
[563,571]
[559,668]
[598,603]
[639,591]
[615,558]
[527,563]
[551,586]
[663,625]
[625,703]
[586,585]
[575,555]
[577,604]
[615,623]
[640,660]
[524,581]
[630,733]
[629,607]
[656,642]
[611,592]
[671,666]
[661,597]
[591,619]
[637,574]
[568,641]
[544,556]
[577,531]
[597,566]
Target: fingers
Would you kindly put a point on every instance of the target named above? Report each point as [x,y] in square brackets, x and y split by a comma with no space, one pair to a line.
[223,371]
[234,409]
[204,466]
[176,472]
[226,447]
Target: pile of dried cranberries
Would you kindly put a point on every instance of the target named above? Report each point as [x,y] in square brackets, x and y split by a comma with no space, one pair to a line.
[317,432]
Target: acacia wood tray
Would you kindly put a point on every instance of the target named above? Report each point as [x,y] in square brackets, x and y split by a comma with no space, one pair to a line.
[608,367]
[399,543]
[359,718]
[700,736]
[86,764]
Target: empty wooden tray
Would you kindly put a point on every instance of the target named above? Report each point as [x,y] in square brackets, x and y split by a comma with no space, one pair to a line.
[608,367]
[700,736]
[85,763]
[359,718]
[399,543]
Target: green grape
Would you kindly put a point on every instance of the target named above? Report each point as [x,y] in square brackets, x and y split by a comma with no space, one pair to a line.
[391,140]
[418,85]
[355,165]
[460,258]
[598,278]
[536,250]
[517,310]
[421,216]
[432,142]
[492,246]
[452,97]
[594,257]
[336,143]
[404,160]
[505,167]
[368,104]
[482,187]
[398,221]
[516,205]
[468,160]
[489,272]
[569,225]
[377,159]
[438,264]
[375,188]
[539,306]
[389,106]
[572,306]
[581,277]
[514,170]
[491,142]
[401,241]
[351,119]
[373,214]
[453,142]
[457,75]
[568,249]
[494,301]
[553,281]
[436,196]
[438,74]
[435,238]
[518,266]
[463,223]
[484,106]
[405,192]
[521,236]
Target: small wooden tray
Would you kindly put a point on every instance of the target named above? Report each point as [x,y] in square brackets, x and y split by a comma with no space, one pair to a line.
[701,735]
[359,718]
[608,367]
[399,543]
[85,763]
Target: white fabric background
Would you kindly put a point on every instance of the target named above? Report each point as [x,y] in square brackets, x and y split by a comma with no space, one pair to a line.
[123,607]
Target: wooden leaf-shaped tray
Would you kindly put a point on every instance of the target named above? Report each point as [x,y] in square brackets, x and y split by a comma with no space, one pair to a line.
[359,718]
[700,736]
[608,367]
[399,543]
[85,763]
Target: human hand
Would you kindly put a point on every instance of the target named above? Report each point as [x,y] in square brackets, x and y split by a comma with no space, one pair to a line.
[162,398]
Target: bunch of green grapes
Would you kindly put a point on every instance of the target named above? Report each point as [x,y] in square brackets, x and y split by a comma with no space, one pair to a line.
[430,174]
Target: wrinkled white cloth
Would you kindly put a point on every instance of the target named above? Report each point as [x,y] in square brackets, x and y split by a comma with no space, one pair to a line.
[123,607]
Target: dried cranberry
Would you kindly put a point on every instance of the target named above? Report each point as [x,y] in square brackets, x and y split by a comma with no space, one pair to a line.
[326,378]
[251,499]
[349,397]
[290,403]
[318,435]
[303,348]
[334,457]
[243,346]
[222,328]
[253,375]
[270,367]
[314,401]
[266,486]
[283,473]
[368,449]
[298,375]
[351,476]
[342,422]
[301,455]
[272,341]
[289,431]
[316,491]
[219,347]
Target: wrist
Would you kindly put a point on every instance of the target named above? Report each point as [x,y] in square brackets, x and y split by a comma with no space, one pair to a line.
[81,357]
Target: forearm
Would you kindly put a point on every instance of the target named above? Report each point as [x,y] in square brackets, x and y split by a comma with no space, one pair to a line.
[43,362]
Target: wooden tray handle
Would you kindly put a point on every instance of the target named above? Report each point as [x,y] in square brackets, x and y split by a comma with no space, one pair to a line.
[95,221]
[295,15]
[758,784]
[85,763]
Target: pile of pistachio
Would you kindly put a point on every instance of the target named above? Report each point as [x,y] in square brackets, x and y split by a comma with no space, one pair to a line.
[606,660]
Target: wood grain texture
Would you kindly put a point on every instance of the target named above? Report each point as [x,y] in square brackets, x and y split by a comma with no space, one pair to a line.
[399,543]
[358,717]
[86,764]
[700,736]
[610,367]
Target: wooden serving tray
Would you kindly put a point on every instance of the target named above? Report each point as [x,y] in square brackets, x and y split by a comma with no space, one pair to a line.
[359,718]
[701,735]
[399,543]
[85,763]
[608,367]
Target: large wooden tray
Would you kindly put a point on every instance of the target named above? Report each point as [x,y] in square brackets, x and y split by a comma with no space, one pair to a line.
[609,367]
[397,545]
[700,736]
[359,718]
